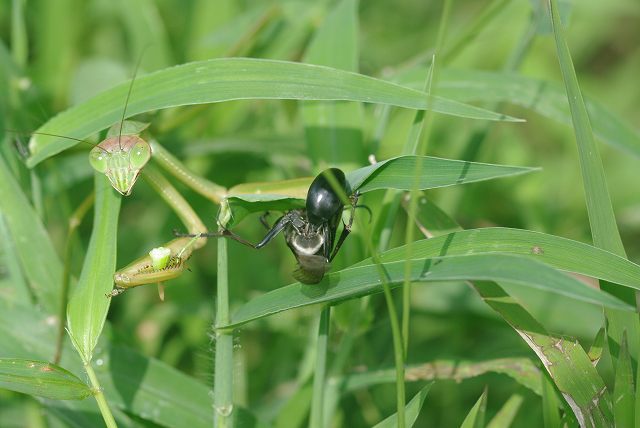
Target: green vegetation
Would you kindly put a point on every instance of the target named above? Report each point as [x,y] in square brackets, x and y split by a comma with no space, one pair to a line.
[490,281]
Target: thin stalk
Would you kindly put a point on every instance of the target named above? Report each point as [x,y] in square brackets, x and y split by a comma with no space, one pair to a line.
[109,421]
[420,150]
[19,43]
[175,167]
[223,381]
[319,378]
[74,221]
[398,348]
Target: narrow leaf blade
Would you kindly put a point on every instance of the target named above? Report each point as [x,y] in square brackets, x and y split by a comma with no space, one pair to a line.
[88,306]
[41,379]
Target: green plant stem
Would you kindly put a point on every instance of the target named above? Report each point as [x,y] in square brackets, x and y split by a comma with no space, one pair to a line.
[109,421]
[223,381]
[426,120]
[319,378]
[398,348]
[74,222]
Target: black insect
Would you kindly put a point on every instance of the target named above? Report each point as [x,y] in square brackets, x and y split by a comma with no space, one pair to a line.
[310,233]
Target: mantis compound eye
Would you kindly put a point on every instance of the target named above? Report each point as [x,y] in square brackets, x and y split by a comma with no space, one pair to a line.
[140,154]
[98,158]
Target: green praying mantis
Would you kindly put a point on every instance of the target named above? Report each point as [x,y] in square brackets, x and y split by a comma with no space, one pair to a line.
[124,156]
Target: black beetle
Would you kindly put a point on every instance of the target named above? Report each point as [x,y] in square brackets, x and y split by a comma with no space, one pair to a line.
[310,233]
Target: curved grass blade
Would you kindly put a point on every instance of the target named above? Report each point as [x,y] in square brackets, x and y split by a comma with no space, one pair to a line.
[562,253]
[41,379]
[412,410]
[543,97]
[40,262]
[364,280]
[88,306]
[522,370]
[393,173]
[228,79]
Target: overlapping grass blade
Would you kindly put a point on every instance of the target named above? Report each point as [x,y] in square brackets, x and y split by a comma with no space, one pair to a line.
[550,404]
[395,173]
[363,280]
[40,262]
[41,379]
[475,417]
[562,253]
[228,79]
[568,365]
[412,410]
[88,306]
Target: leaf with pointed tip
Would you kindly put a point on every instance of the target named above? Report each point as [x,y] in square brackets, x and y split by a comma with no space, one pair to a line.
[475,417]
[227,79]
[395,173]
[412,410]
[41,379]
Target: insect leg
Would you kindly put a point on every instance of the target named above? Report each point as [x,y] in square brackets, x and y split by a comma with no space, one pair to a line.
[346,227]
[263,220]
[277,228]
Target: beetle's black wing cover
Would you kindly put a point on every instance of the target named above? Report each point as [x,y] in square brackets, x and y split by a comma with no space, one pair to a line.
[311,269]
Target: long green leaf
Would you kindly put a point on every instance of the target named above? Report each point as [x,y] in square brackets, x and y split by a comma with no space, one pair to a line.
[599,209]
[40,262]
[601,217]
[624,391]
[364,280]
[567,363]
[412,410]
[41,379]
[219,80]
[543,97]
[88,306]
[561,253]
[395,173]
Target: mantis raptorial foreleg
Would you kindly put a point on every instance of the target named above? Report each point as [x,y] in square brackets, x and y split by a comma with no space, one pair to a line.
[173,255]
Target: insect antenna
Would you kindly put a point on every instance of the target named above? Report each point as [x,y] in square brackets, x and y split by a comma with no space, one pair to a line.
[57,136]
[126,102]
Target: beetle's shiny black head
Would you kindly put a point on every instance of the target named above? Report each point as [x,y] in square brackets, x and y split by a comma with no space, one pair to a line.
[323,202]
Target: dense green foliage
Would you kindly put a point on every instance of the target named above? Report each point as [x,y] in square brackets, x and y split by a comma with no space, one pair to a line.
[456,284]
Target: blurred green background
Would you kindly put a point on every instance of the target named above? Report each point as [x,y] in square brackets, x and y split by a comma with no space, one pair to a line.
[69,50]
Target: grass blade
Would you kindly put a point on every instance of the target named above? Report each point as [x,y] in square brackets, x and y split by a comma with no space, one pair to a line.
[522,370]
[41,379]
[475,417]
[219,80]
[507,413]
[88,306]
[623,390]
[546,98]
[562,253]
[395,173]
[601,217]
[550,404]
[40,262]
[363,280]
[412,410]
